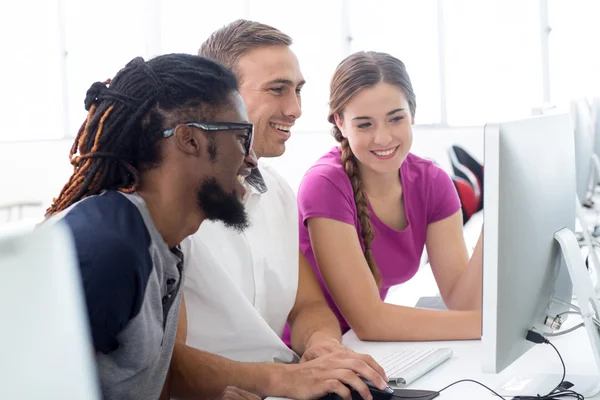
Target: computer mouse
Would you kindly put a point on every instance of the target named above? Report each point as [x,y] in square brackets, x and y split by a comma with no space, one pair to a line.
[378,394]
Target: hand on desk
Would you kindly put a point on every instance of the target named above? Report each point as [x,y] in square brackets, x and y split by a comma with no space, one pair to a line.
[330,373]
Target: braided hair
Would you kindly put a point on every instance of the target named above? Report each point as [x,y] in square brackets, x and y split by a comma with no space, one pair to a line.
[358,71]
[126,117]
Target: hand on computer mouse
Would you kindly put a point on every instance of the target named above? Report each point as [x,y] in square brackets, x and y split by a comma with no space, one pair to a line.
[376,393]
[332,373]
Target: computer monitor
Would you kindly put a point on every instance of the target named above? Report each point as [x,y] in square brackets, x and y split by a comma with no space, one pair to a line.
[581,117]
[596,119]
[45,345]
[529,220]
[587,166]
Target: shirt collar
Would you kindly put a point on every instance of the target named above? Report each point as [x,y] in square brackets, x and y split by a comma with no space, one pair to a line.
[256,180]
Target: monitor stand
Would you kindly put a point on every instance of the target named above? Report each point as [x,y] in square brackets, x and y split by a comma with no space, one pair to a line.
[587,300]
[587,385]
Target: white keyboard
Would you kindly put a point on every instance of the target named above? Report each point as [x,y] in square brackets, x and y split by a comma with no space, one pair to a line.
[405,366]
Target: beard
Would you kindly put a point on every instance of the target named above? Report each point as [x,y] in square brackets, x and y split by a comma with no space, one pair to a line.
[219,205]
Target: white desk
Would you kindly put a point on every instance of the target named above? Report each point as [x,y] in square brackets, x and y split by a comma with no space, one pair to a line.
[466,363]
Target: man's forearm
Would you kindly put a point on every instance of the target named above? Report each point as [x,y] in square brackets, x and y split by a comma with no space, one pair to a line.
[313,323]
[196,373]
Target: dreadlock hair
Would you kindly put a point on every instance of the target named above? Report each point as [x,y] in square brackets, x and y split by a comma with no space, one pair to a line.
[356,72]
[127,116]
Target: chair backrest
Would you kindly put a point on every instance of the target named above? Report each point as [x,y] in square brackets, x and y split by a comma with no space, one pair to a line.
[466,159]
[469,200]
[463,171]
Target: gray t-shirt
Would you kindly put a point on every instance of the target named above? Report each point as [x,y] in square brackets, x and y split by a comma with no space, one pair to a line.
[132,283]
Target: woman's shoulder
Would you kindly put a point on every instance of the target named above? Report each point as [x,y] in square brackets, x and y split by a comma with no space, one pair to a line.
[326,177]
[325,191]
[329,167]
[433,186]
[418,169]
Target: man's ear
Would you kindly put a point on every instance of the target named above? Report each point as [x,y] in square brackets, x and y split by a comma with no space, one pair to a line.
[188,140]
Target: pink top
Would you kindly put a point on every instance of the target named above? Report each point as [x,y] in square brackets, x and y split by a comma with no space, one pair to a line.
[429,196]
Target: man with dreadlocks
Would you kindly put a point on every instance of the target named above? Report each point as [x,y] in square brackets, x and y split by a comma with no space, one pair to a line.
[165,146]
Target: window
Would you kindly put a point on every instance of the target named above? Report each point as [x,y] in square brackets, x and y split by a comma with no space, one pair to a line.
[408,30]
[100,40]
[316,29]
[185,25]
[491,68]
[493,60]
[31,95]
[574,56]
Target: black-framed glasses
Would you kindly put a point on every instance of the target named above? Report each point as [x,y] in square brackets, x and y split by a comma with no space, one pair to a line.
[222,126]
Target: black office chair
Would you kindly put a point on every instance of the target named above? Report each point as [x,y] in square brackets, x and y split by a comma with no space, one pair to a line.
[469,200]
[469,169]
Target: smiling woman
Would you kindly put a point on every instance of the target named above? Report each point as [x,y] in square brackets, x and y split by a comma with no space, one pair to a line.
[368,208]
[360,92]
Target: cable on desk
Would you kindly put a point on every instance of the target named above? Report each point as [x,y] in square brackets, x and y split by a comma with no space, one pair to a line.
[472,381]
[561,391]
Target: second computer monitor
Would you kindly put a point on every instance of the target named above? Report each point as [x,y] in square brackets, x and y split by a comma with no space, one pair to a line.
[529,196]
[583,127]
[46,349]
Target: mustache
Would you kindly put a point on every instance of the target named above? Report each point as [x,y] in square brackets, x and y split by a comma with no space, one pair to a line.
[219,205]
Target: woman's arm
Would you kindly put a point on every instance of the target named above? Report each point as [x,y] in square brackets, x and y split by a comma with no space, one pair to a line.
[459,279]
[347,276]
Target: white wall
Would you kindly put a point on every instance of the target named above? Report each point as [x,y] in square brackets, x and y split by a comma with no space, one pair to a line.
[38,170]
[33,171]
[305,148]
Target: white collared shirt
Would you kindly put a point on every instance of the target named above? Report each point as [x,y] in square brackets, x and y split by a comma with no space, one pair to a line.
[241,287]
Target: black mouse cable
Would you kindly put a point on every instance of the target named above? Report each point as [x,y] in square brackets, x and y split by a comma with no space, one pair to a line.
[561,391]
